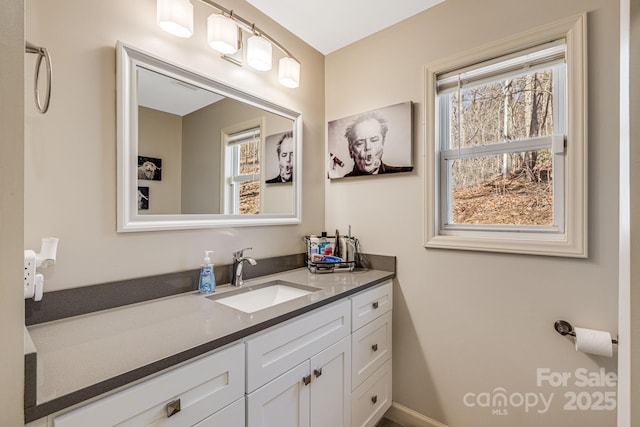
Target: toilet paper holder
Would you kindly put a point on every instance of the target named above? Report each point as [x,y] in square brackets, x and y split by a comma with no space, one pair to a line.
[565,328]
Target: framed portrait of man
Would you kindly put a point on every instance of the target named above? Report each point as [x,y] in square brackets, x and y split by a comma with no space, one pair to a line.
[279,152]
[372,143]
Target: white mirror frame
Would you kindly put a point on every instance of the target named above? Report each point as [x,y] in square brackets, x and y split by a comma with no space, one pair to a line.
[128,58]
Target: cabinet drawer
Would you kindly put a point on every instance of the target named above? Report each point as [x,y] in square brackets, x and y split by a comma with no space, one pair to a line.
[281,348]
[372,399]
[371,347]
[370,304]
[203,387]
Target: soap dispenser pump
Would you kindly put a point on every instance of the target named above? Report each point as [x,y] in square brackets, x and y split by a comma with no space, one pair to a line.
[207,283]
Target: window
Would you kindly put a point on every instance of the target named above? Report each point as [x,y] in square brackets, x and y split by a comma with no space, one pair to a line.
[507,132]
[243,153]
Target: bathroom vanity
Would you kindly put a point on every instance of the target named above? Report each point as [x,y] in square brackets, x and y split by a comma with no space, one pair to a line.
[319,359]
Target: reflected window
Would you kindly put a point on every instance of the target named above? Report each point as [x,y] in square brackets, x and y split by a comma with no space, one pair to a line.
[243,149]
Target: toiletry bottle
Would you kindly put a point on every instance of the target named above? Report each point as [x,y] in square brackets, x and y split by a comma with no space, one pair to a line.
[207,283]
[336,247]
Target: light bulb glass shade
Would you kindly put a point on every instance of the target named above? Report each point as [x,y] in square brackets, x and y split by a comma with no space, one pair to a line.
[175,17]
[289,72]
[222,33]
[259,53]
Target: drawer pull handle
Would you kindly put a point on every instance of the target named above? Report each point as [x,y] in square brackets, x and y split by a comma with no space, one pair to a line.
[375,305]
[374,347]
[374,399]
[317,372]
[306,380]
[173,408]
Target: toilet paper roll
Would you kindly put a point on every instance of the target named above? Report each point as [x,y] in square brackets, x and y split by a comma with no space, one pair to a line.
[594,342]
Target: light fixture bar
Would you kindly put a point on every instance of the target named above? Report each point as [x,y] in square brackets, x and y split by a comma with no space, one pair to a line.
[249,27]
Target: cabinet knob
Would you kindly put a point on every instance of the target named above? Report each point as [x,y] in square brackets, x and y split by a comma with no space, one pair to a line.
[306,380]
[173,408]
[374,399]
[375,305]
[317,372]
[374,347]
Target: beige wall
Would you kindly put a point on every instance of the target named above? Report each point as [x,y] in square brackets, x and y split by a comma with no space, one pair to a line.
[160,137]
[12,106]
[471,322]
[70,179]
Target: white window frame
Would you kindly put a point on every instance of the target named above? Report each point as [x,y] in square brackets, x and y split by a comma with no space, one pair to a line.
[568,236]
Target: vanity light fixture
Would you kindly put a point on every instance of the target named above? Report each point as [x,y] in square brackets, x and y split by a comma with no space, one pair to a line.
[259,53]
[176,17]
[224,34]
[289,72]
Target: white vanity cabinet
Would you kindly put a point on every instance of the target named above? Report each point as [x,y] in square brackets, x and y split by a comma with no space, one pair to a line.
[299,374]
[202,393]
[371,355]
[327,367]
[312,394]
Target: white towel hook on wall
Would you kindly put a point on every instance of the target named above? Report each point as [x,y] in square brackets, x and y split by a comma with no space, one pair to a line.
[42,53]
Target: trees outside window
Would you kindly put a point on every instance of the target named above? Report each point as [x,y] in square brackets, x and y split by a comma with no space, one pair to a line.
[498,185]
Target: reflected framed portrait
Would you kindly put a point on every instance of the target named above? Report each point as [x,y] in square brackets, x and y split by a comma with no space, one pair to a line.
[279,152]
[149,168]
[143,198]
[371,143]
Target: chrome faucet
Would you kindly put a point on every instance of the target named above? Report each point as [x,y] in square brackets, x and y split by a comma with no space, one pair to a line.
[238,263]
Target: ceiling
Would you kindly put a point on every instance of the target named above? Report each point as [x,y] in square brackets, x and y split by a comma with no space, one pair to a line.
[166,94]
[332,24]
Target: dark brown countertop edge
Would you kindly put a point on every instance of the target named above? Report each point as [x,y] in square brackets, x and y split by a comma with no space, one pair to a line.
[32,413]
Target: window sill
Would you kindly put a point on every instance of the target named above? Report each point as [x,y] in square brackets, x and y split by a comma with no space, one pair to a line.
[519,243]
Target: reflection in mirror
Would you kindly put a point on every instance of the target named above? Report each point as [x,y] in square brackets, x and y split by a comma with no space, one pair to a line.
[195,153]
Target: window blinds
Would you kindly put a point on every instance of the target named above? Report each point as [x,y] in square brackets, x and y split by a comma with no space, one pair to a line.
[535,58]
[245,136]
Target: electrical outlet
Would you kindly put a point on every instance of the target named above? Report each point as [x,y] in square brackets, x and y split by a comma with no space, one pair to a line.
[29,273]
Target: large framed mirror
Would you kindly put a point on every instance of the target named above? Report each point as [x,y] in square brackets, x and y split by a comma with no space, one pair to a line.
[196,153]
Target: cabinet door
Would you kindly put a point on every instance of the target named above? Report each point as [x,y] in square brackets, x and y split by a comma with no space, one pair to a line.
[283,402]
[231,416]
[275,351]
[330,386]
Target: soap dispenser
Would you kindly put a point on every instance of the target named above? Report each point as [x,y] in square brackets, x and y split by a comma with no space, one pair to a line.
[207,283]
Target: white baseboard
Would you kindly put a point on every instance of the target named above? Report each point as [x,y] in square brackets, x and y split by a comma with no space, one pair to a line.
[410,418]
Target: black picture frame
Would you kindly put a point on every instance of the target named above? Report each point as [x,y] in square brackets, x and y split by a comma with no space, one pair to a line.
[143,198]
[149,168]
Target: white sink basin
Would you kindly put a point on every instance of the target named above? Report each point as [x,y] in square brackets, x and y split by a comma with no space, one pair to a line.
[259,297]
